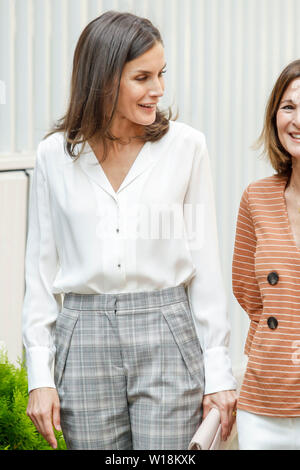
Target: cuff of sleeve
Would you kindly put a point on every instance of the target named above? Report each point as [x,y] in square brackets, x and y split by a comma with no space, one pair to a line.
[218,371]
[39,364]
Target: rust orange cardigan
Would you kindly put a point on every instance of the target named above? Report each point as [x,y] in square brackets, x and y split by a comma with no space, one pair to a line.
[266,283]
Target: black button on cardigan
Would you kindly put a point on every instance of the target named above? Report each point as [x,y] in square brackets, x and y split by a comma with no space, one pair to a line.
[273,278]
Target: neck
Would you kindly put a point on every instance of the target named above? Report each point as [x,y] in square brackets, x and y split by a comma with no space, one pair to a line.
[127,132]
[295,176]
[124,129]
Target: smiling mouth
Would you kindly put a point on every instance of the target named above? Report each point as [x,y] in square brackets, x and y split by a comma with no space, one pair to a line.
[148,106]
[295,137]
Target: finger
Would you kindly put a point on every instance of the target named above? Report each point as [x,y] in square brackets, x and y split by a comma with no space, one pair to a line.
[49,435]
[225,422]
[35,422]
[56,417]
[50,438]
[46,429]
[230,423]
[206,410]
[231,418]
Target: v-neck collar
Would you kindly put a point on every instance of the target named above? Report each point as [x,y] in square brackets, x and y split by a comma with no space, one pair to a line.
[91,166]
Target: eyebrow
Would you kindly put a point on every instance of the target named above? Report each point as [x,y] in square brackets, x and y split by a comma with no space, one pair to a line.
[287,101]
[147,71]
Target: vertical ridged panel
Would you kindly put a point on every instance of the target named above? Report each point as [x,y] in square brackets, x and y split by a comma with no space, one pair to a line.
[7,74]
[41,67]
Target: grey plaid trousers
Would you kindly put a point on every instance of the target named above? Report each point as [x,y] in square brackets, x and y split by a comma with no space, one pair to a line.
[128,370]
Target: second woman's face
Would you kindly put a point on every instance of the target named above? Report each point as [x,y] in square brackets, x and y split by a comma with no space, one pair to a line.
[141,87]
[288,119]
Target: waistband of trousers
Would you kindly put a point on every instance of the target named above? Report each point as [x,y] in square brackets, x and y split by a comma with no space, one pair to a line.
[125,301]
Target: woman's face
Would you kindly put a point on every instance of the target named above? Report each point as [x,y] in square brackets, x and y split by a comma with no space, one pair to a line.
[141,87]
[288,119]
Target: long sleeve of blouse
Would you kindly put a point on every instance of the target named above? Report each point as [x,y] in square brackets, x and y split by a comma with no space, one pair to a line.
[40,306]
[206,290]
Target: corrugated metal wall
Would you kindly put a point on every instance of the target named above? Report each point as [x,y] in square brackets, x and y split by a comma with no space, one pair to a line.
[223,57]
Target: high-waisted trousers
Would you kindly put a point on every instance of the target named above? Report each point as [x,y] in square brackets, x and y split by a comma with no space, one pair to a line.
[128,370]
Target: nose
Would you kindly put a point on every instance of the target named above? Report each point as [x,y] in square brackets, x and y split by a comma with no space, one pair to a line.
[296,120]
[157,88]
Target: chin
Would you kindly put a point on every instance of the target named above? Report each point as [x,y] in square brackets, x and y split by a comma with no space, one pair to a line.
[294,153]
[149,122]
[146,121]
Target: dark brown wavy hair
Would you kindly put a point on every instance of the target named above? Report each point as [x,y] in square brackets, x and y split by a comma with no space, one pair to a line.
[106,44]
[279,158]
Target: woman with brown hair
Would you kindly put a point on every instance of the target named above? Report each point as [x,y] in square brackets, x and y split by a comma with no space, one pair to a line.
[122,225]
[266,279]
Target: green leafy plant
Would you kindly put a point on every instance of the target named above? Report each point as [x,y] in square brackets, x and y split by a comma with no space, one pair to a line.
[17,432]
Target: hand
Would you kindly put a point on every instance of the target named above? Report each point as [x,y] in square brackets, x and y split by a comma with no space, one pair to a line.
[226,403]
[44,411]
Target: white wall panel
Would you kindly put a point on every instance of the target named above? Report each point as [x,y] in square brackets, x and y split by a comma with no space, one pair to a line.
[223,57]
[13,226]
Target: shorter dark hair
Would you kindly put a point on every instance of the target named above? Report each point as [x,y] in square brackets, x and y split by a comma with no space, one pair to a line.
[279,158]
[106,44]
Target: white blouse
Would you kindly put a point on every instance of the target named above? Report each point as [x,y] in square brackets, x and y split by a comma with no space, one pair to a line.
[157,231]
